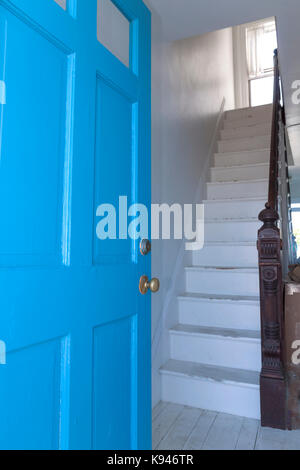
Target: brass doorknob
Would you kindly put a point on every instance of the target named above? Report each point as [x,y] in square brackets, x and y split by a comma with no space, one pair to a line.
[145,285]
[145,247]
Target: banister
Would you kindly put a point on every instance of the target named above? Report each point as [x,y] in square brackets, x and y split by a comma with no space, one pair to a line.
[272,194]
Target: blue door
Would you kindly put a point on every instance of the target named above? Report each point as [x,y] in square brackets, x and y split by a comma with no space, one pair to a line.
[74,134]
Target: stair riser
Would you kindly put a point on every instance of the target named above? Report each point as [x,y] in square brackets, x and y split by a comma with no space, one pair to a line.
[231,231]
[242,158]
[248,113]
[250,143]
[233,209]
[222,282]
[249,131]
[225,314]
[218,351]
[237,190]
[239,174]
[227,256]
[211,395]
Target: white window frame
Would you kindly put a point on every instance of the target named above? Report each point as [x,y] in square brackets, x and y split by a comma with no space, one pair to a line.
[268,72]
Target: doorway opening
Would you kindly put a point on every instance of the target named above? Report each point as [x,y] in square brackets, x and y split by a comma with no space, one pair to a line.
[215,152]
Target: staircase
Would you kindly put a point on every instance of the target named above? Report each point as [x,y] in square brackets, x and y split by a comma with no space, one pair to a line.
[216,348]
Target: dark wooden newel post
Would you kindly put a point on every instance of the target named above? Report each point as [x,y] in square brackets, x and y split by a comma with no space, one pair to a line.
[272,379]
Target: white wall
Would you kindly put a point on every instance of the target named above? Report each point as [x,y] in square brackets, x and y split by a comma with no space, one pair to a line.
[190,78]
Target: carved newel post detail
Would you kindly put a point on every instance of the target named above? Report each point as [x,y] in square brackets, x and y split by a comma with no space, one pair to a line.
[272,379]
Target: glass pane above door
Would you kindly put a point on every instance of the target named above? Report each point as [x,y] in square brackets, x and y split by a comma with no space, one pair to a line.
[113,30]
[62,3]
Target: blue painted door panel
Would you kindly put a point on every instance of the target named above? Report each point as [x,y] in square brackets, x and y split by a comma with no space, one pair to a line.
[74,134]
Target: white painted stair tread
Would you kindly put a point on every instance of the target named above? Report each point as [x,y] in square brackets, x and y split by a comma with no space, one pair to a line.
[246,131]
[244,143]
[248,119]
[249,112]
[229,208]
[224,183]
[245,121]
[223,230]
[213,331]
[227,244]
[242,157]
[246,172]
[249,109]
[241,153]
[222,311]
[243,166]
[232,219]
[220,297]
[246,199]
[215,373]
[235,269]
[237,189]
[248,139]
[222,280]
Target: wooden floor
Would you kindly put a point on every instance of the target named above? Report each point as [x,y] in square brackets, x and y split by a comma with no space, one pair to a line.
[177,427]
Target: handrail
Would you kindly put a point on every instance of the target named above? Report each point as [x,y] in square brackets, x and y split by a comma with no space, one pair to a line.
[272,377]
[273,186]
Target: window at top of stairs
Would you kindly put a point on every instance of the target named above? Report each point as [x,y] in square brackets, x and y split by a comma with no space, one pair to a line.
[261,39]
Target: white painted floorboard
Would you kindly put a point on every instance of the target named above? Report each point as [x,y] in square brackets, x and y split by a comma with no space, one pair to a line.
[177,427]
[164,421]
[182,428]
[224,433]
